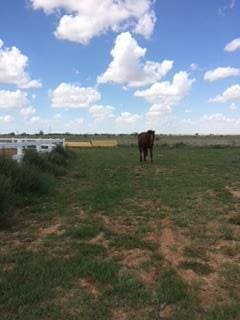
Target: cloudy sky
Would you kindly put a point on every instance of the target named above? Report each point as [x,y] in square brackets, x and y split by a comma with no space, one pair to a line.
[120,66]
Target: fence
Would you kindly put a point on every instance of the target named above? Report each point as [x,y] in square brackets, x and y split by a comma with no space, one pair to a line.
[15,147]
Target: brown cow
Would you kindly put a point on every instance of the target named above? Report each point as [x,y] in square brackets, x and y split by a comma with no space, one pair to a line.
[145,142]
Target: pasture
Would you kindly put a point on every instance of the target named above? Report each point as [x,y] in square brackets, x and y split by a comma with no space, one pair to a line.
[116,239]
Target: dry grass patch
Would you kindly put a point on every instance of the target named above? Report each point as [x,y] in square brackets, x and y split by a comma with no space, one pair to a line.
[119,314]
[116,225]
[235,193]
[89,286]
[100,240]
[134,258]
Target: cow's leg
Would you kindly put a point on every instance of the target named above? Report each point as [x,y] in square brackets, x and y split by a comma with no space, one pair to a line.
[145,152]
[140,153]
[151,154]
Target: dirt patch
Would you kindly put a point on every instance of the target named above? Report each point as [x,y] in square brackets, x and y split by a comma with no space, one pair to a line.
[8,267]
[212,194]
[135,257]
[171,244]
[167,312]
[162,170]
[53,229]
[100,240]
[149,277]
[119,314]
[233,192]
[89,286]
[116,225]
[170,241]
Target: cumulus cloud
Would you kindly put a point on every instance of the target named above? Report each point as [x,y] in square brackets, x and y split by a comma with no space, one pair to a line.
[127,118]
[72,96]
[6,119]
[164,95]
[13,99]
[221,73]
[13,66]
[216,123]
[75,125]
[127,67]
[83,20]
[100,112]
[168,93]
[232,46]
[27,111]
[229,95]
[146,24]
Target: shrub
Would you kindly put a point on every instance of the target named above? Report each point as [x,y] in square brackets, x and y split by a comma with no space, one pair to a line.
[32,180]
[32,157]
[8,167]
[52,162]
[57,158]
[6,197]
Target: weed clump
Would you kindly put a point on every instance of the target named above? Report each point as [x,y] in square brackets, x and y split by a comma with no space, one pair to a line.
[6,197]
[33,176]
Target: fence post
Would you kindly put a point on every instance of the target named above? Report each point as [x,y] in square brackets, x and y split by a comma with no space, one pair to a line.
[19,151]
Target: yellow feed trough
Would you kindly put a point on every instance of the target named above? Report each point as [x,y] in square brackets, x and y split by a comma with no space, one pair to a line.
[91,143]
[104,143]
[78,144]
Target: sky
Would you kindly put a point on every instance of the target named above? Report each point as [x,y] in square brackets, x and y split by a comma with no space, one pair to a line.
[120,66]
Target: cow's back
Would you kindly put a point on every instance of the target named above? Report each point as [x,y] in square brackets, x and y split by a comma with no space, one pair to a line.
[144,140]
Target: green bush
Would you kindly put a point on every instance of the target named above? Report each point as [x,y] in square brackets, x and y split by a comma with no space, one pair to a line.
[8,167]
[33,176]
[32,180]
[52,162]
[6,197]
[32,157]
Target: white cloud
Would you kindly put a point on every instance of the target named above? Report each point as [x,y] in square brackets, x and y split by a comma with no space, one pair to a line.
[221,73]
[165,95]
[194,67]
[57,116]
[229,95]
[12,68]
[127,118]
[233,107]
[85,19]
[6,119]
[146,24]
[232,46]
[35,119]
[168,93]
[13,99]
[127,68]
[216,123]
[156,112]
[27,111]
[72,96]
[76,125]
[100,112]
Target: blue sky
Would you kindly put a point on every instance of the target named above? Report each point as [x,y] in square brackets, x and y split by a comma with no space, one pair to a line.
[120,66]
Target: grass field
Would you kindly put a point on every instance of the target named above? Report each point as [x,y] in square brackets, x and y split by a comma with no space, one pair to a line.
[116,239]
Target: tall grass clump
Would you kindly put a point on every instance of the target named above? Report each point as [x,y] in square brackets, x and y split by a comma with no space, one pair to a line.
[53,162]
[31,177]
[6,197]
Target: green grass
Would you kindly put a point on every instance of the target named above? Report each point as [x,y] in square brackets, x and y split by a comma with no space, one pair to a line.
[170,288]
[111,212]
